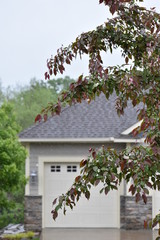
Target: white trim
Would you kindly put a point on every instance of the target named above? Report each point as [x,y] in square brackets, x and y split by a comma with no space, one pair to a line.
[27,170]
[128,184]
[125,140]
[25,140]
[81,140]
[130,129]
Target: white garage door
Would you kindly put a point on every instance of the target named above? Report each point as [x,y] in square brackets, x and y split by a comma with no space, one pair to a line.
[156,204]
[99,211]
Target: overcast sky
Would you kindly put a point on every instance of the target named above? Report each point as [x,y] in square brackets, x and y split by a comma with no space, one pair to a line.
[32,30]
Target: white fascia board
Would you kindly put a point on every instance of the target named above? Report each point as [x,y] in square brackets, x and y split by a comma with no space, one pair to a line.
[129,130]
[80,140]
[70,140]
[125,140]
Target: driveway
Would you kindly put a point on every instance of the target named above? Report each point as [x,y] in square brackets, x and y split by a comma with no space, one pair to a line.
[96,234]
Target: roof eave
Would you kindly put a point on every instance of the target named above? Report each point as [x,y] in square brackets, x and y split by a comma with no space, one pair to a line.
[79,140]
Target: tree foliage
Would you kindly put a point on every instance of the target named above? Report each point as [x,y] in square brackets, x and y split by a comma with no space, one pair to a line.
[28,100]
[136,31]
[1,94]
[60,84]
[12,157]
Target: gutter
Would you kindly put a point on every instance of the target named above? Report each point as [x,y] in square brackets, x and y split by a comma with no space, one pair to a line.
[80,140]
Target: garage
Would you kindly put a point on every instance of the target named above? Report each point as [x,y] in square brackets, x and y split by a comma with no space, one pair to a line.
[55,147]
[100,211]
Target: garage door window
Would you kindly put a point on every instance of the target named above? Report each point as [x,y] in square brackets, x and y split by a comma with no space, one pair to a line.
[56,168]
[71,168]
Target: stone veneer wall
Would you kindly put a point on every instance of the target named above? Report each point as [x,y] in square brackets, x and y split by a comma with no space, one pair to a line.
[33,213]
[132,214]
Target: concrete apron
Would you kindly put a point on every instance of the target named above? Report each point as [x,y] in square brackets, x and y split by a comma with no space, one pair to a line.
[94,234]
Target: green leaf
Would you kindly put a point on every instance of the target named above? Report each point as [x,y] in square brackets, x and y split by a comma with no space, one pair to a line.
[95,168]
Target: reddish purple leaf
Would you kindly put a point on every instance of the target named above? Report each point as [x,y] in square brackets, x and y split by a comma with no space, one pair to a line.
[112,177]
[68,61]
[144,198]
[138,197]
[45,117]
[97,182]
[55,71]
[77,178]
[122,164]
[106,190]
[38,118]
[83,163]
[50,72]
[87,195]
[54,202]
[126,60]
[80,79]
[94,154]
[131,188]
[46,75]
[71,87]
[145,224]
[73,197]
[72,191]
[135,132]
[58,108]
[154,223]
[90,150]
[149,184]
[54,214]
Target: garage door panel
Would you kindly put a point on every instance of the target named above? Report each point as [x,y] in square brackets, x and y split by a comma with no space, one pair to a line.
[156,204]
[99,211]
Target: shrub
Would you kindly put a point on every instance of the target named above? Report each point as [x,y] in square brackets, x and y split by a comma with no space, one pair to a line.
[15,215]
[27,235]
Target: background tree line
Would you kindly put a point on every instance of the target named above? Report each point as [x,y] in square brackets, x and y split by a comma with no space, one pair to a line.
[27,101]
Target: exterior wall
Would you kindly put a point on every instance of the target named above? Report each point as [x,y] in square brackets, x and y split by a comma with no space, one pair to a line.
[132,214]
[33,213]
[59,150]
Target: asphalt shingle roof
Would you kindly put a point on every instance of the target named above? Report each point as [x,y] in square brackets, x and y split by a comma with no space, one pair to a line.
[98,119]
